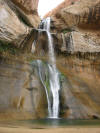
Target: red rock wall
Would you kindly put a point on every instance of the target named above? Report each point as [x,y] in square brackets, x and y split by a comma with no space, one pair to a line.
[29,10]
[27,5]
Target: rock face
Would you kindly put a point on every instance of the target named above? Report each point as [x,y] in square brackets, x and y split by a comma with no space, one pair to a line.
[75,31]
[29,10]
[77,46]
[22,95]
[29,6]
[79,14]
[79,62]
[80,91]
[15,22]
[11,31]
[78,26]
[73,42]
[70,42]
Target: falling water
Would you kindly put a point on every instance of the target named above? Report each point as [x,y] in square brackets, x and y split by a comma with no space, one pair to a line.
[53,73]
[39,62]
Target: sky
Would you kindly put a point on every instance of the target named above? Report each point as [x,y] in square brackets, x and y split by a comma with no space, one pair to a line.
[47,5]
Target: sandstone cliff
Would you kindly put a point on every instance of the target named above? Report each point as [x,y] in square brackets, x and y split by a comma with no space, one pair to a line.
[22,95]
[75,31]
[29,10]
[80,24]
[77,46]
[28,6]
[80,13]
[17,21]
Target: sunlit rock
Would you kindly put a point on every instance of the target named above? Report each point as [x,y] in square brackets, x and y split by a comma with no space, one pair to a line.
[16,23]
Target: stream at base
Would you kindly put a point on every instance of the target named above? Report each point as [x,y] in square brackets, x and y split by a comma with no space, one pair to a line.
[51,123]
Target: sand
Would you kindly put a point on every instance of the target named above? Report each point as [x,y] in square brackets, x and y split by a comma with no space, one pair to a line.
[51,130]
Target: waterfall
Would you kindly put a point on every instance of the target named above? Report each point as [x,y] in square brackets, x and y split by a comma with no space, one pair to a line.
[54,85]
[53,73]
[39,63]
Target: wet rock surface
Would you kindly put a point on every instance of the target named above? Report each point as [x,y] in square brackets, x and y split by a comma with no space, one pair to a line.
[77,58]
[80,89]
[22,95]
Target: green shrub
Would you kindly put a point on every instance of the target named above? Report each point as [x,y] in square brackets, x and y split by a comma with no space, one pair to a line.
[67,30]
[7,47]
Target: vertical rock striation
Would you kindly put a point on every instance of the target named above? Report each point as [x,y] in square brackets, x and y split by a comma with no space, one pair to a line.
[22,95]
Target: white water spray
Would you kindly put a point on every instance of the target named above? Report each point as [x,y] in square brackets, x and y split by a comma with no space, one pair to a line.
[40,74]
[53,73]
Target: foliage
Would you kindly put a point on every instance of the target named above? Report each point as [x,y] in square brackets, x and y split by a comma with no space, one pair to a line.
[47,84]
[67,30]
[62,77]
[7,47]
